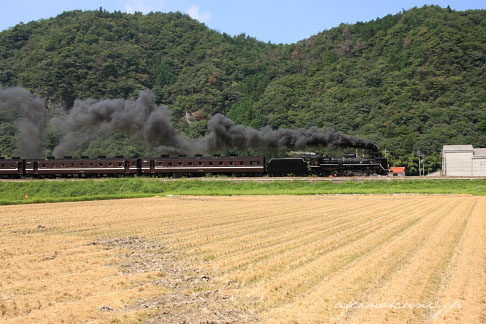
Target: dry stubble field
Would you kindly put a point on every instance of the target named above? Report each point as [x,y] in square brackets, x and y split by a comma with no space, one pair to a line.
[246,259]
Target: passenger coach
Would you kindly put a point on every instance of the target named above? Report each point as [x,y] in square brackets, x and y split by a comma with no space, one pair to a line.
[201,165]
[11,168]
[84,167]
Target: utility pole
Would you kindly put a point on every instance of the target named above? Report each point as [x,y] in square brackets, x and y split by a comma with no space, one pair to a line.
[421,157]
[423,164]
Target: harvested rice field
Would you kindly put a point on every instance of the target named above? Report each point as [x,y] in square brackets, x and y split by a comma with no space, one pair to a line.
[246,259]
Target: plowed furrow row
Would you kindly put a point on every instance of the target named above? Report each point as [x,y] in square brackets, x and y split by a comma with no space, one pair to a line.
[272,260]
[345,258]
[295,236]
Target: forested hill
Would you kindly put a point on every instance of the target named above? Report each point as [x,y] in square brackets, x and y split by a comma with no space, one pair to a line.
[416,79]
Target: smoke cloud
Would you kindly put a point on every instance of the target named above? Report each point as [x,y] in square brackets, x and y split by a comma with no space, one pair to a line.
[224,133]
[141,119]
[31,118]
[151,124]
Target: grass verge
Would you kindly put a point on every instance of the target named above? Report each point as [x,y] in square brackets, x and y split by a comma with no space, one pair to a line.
[39,191]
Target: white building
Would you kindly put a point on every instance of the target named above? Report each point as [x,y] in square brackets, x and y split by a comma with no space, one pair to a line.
[463,160]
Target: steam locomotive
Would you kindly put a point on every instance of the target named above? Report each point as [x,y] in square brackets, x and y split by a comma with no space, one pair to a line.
[350,165]
[199,165]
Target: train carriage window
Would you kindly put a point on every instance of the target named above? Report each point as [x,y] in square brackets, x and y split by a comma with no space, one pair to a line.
[100,164]
[220,163]
[200,163]
[232,163]
[255,163]
[12,165]
[179,163]
[120,164]
[241,162]
[211,163]
[62,165]
[81,164]
[190,163]
[110,164]
[170,163]
[91,164]
[71,164]
[3,165]
[43,165]
[160,164]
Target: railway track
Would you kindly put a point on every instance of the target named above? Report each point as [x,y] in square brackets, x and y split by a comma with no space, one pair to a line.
[267,179]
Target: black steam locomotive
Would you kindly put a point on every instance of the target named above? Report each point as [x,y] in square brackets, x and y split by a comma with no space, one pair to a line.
[199,165]
[348,166]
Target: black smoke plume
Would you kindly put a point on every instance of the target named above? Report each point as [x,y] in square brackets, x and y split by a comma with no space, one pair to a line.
[30,116]
[141,119]
[151,124]
[224,133]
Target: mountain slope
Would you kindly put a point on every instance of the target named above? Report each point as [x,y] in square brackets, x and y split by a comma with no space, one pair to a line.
[407,81]
[411,80]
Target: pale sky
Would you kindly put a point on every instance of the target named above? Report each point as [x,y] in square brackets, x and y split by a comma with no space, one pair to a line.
[278,21]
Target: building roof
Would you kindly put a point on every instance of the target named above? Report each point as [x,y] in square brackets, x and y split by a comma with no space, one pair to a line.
[397,169]
[480,152]
[455,148]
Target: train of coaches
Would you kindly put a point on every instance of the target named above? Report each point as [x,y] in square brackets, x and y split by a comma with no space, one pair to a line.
[198,165]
